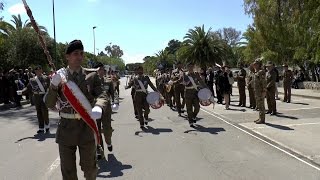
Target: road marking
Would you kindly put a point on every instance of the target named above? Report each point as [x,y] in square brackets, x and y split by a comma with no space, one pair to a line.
[53,166]
[247,132]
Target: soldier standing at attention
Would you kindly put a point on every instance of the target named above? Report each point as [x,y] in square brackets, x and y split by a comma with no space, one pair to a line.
[271,89]
[287,81]
[75,130]
[38,86]
[107,85]
[250,86]
[193,82]
[260,89]
[241,81]
[178,87]
[140,83]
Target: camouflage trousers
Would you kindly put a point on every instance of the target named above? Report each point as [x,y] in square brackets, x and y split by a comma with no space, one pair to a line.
[260,106]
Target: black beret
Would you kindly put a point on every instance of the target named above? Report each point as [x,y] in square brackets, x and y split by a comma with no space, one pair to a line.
[74,45]
[98,65]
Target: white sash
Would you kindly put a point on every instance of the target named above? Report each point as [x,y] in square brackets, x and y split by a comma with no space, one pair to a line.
[40,84]
[193,83]
[142,86]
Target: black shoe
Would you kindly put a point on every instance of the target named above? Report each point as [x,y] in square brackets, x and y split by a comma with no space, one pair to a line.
[146,123]
[243,105]
[40,131]
[288,101]
[47,130]
[192,125]
[179,115]
[136,116]
[110,147]
[273,113]
[142,127]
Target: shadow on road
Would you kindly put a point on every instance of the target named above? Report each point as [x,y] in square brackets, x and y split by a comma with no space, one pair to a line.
[154,131]
[279,127]
[39,137]
[284,116]
[211,130]
[299,103]
[113,166]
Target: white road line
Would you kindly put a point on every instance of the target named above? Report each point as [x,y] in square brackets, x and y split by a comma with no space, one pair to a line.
[53,166]
[245,131]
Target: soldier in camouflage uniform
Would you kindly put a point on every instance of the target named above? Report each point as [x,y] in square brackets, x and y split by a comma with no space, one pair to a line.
[105,120]
[250,86]
[73,132]
[271,89]
[287,82]
[140,83]
[241,82]
[38,86]
[193,82]
[260,89]
[178,87]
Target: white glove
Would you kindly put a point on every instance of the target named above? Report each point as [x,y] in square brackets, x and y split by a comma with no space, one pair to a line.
[56,79]
[96,112]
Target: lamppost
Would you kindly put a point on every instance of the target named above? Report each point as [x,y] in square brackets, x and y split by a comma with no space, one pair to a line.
[54,33]
[94,40]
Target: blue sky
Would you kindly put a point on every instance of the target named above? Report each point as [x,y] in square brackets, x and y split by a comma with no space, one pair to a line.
[139,27]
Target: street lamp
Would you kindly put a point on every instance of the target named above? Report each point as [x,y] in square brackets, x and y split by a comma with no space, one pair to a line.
[94,40]
[54,33]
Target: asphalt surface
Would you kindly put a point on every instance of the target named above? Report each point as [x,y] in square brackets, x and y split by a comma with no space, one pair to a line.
[168,149]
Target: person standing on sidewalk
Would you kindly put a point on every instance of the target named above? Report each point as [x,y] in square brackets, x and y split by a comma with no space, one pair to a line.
[277,81]
[250,86]
[287,81]
[271,89]
[241,82]
[39,86]
[260,89]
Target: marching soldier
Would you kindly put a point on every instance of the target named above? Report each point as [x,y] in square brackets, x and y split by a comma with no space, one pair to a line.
[38,86]
[260,89]
[241,78]
[287,81]
[77,93]
[140,83]
[250,86]
[107,85]
[133,92]
[178,87]
[169,89]
[271,89]
[193,82]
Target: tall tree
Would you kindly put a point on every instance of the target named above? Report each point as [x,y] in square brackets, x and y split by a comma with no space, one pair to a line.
[114,51]
[173,46]
[230,35]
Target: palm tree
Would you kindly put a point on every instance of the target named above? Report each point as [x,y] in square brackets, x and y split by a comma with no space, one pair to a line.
[201,48]
[6,29]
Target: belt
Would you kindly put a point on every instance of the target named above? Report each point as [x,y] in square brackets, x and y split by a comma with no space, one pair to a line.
[38,92]
[189,87]
[70,116]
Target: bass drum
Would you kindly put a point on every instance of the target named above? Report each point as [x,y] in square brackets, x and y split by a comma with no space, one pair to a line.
[205,97]
[154,100]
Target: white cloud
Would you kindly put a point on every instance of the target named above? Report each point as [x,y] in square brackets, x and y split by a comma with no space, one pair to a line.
[133,58]
[17,9]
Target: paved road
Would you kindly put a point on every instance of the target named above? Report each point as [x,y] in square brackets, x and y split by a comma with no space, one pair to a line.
[169,149]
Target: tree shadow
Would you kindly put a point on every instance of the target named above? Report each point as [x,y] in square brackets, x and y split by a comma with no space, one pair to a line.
[154,131]
[39,137]
[210,130]
[284,116]
[113,166]
[299,103]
